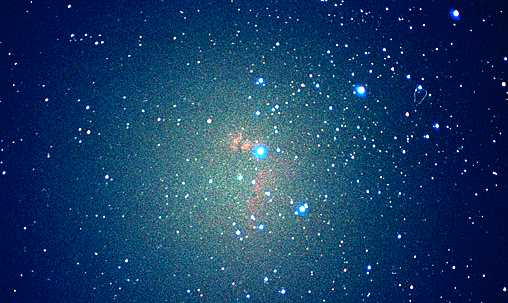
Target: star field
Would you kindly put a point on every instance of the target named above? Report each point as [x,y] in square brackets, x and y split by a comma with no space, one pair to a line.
[254,151]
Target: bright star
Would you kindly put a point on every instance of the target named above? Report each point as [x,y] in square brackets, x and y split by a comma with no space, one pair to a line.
[454,14]
[360,91]
[260,151]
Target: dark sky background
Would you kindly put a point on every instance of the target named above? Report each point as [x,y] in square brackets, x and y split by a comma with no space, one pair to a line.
[130,167]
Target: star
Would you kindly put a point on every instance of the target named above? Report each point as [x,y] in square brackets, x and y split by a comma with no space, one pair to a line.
[360,91]
[454,14]
[260,152]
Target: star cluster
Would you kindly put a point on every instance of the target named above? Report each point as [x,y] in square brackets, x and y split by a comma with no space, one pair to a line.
[254,151]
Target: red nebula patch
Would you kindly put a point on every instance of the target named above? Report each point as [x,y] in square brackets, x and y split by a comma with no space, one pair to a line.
[265,180]
[238,143]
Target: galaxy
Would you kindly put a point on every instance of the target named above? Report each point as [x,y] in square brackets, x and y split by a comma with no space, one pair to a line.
[254,151]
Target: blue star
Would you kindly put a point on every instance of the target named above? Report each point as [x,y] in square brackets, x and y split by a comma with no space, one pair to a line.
[360,91]
[260,151]
[454,14]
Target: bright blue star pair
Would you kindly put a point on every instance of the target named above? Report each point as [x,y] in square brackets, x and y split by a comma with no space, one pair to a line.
[302,209]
